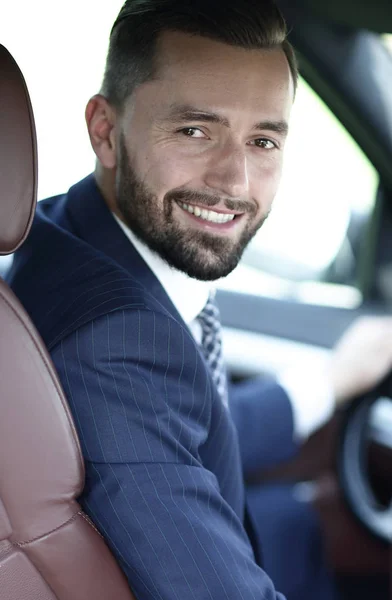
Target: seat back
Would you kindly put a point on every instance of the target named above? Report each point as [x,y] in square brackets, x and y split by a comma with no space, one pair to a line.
[49,549]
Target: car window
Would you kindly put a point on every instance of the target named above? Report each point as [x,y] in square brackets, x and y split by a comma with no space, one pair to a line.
[306,248]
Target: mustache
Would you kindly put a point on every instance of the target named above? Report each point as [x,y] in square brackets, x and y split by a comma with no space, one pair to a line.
[209,201]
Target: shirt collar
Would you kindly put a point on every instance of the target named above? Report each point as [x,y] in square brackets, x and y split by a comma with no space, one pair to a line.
[188,295]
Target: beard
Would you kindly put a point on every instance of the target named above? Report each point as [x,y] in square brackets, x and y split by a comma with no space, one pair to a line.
[201,255]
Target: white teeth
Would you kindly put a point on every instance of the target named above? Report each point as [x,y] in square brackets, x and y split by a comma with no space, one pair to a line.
[206,215]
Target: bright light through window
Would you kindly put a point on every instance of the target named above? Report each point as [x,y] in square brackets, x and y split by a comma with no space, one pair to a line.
[388,41]
[61,49]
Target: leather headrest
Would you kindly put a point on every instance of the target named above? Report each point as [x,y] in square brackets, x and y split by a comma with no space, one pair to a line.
[18,156]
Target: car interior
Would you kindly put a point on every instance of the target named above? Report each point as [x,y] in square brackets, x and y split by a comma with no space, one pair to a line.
[275,311]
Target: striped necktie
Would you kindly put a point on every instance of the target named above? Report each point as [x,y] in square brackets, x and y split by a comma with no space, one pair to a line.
[211,343]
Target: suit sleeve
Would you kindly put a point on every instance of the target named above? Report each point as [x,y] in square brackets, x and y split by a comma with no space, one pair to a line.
[263,415]
[136,392]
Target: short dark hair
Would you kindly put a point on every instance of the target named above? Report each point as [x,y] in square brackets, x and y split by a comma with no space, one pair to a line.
[249,24]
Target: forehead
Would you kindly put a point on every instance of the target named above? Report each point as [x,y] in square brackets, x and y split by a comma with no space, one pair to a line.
[194,69]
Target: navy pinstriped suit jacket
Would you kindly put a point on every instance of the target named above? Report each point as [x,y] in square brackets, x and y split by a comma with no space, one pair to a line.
[164,479]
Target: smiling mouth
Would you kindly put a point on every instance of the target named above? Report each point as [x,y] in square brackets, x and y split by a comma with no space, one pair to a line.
[207,215]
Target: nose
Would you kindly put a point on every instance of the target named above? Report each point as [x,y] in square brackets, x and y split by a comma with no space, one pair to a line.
[227,172]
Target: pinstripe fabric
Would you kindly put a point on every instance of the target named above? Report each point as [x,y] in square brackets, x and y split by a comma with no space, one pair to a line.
[163,470]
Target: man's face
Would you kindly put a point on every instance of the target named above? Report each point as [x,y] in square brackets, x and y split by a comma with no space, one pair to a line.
[199,151]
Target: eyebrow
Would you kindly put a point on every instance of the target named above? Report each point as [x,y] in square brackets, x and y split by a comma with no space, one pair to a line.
[184,113]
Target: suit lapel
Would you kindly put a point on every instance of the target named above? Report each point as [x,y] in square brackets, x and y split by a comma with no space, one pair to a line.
[93,222]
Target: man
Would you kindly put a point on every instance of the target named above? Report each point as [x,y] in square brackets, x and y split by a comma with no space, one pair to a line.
[189,132]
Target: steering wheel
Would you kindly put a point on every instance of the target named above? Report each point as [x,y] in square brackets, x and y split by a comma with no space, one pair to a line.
[356,433]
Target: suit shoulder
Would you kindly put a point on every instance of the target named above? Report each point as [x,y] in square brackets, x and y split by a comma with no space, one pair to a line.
[64,283]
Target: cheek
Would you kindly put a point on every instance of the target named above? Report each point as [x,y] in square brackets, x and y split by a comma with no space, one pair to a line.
[265,183]
[166,171]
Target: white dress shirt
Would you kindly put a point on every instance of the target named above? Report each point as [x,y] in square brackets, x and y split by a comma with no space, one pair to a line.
[310,393]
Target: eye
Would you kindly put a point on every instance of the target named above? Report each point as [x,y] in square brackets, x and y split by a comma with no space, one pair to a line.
[264,143]
[192,132]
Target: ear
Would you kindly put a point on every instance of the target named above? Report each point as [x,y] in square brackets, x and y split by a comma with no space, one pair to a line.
[101,120]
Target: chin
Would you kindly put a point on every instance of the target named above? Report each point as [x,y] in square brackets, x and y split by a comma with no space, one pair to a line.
[209,272]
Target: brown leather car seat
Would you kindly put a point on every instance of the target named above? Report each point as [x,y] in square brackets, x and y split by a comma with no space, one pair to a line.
[49,549]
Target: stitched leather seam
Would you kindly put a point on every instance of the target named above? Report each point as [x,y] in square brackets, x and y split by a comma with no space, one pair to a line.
[40,537]
[89,521]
